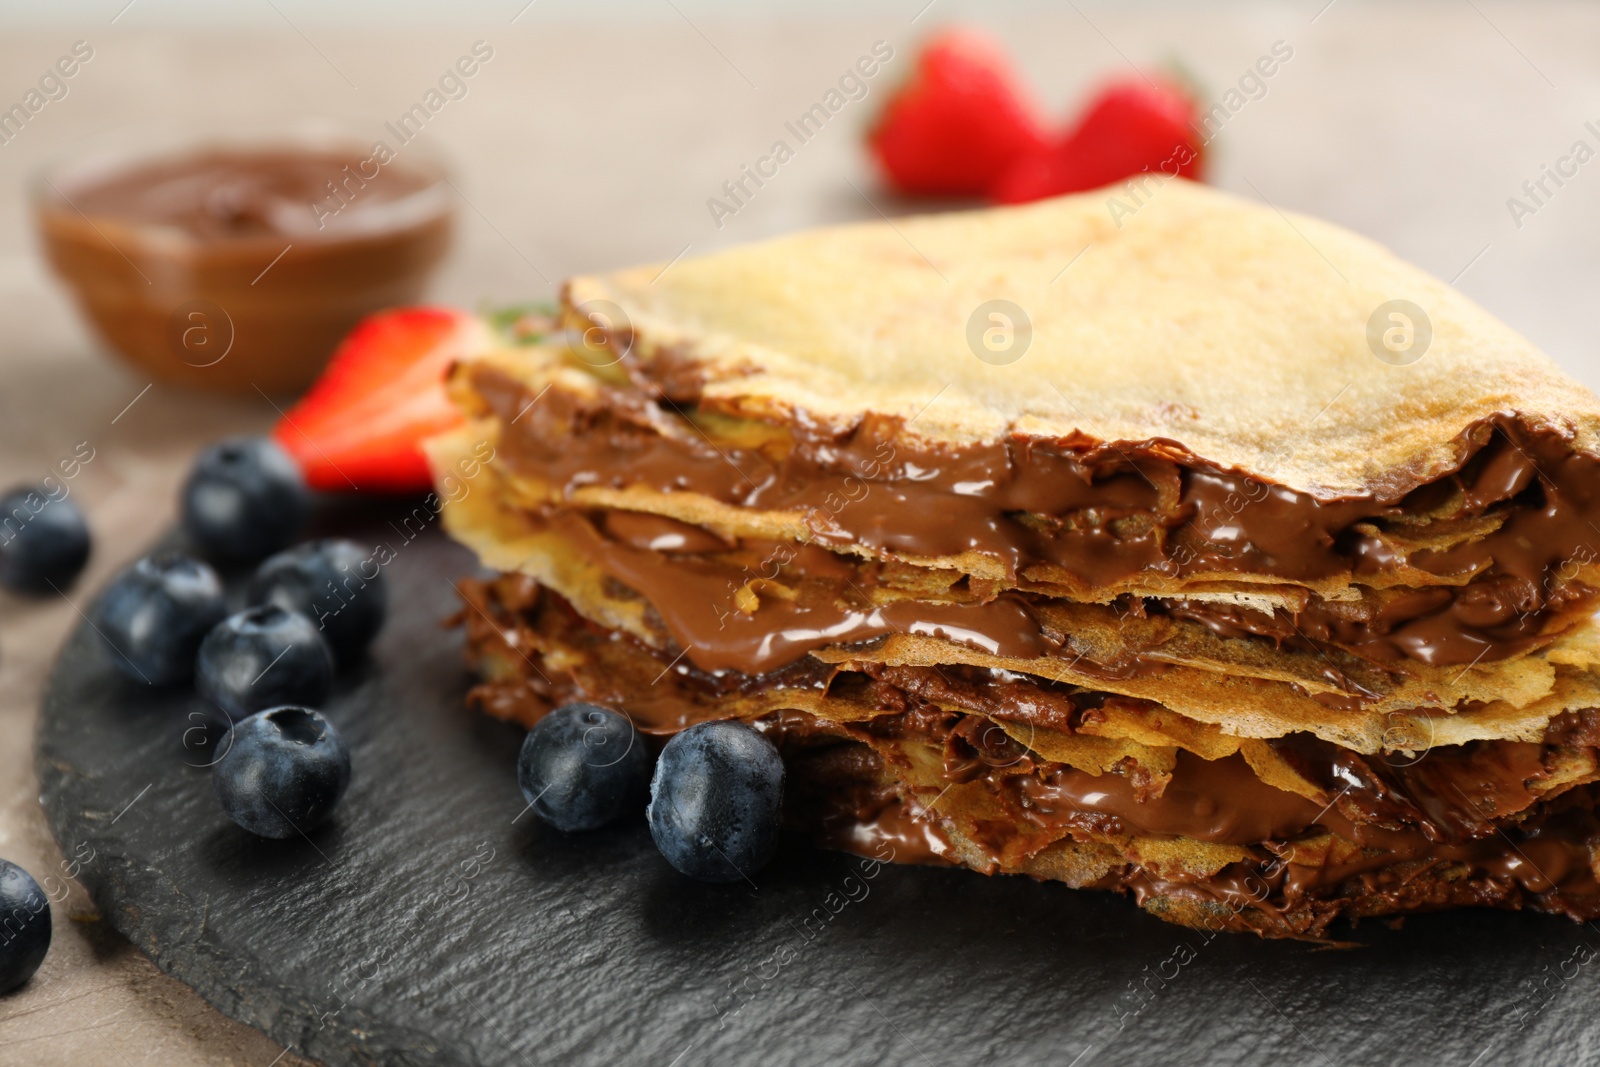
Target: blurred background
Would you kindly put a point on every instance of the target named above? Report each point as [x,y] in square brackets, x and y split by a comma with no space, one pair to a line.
[599,129]
[595,135]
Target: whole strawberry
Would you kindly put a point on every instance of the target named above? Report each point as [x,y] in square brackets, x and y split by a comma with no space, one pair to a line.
[959,121]
[1132,126]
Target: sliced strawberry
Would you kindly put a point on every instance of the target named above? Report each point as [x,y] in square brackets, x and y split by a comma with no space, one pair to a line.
[958,123]
[361,425]
[1130,127]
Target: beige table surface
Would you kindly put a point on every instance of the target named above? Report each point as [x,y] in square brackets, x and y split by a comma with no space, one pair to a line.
[582,146]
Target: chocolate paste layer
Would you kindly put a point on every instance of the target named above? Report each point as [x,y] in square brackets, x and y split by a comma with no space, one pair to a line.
[760,606]
[1090,515]
[697,600]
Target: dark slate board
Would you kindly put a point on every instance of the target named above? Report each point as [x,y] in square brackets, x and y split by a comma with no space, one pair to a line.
[430,925]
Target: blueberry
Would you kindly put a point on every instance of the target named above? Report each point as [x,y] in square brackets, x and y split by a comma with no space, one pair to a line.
[283,772]
[154,615]
[263,658]
[244,499]
[715,799]
[335,584]
[24,926]
[583,766]
[44,541]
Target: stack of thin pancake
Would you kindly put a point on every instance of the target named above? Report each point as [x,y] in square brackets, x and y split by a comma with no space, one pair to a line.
[1179,585]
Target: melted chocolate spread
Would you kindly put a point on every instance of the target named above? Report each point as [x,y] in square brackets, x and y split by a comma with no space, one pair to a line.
[224,194]
[1091,515]
[697,601]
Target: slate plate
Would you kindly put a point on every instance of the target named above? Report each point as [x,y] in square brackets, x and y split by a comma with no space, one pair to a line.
[430,925]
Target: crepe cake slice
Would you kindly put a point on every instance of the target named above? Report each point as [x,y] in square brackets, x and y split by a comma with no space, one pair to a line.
[1485,484]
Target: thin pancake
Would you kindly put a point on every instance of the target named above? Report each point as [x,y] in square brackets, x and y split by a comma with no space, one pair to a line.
[1220,323]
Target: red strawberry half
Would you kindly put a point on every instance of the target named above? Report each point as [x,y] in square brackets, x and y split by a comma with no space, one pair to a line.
[1130,127]
[958,123]
[361,426]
